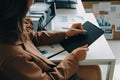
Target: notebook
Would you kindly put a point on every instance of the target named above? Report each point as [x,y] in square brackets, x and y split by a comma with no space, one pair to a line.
[93,33]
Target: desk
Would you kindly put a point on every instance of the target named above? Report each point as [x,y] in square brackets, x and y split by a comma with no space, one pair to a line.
[99,52]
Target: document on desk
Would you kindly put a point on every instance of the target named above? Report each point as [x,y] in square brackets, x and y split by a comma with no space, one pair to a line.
[64,20]
[52,50]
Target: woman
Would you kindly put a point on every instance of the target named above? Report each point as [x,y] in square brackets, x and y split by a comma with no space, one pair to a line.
[19,58]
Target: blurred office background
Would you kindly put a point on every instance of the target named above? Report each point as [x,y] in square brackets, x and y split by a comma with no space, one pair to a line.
[107,13]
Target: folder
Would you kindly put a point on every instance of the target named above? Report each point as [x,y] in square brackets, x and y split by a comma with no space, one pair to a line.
[93,33]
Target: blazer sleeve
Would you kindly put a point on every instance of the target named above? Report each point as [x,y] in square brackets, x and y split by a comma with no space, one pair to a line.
[46,37]
[42,37]
[24,68]
[66,68]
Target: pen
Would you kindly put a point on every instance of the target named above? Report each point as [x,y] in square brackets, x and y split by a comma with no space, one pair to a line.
[73,29]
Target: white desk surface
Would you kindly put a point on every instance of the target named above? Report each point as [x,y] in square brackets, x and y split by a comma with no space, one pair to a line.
[99,52]
[100,48]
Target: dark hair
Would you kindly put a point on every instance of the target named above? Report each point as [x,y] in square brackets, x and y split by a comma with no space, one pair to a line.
[12,13]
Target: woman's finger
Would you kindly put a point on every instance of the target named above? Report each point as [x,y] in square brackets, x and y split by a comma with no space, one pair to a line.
[77,26]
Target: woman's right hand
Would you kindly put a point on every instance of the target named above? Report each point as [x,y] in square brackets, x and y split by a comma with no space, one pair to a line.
[81,52]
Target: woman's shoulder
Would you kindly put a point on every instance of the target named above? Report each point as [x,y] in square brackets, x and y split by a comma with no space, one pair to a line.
[11,52]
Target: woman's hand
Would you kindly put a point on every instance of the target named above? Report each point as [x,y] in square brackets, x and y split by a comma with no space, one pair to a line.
[76,30]
[81,52]
[28,24]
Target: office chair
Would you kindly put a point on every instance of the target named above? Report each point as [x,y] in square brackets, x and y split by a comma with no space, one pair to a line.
[90,72]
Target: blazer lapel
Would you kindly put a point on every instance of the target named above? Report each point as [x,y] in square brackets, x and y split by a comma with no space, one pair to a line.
[32,49]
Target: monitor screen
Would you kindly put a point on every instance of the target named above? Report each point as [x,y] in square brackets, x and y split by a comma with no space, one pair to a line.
[48,15]
[42,16]
[38,0]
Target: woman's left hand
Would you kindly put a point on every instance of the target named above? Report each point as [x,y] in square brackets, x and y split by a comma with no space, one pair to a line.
[76,29]
[28,24]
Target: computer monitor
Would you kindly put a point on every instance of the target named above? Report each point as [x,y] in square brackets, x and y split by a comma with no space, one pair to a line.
[38,0]
[48,15]
[42,15]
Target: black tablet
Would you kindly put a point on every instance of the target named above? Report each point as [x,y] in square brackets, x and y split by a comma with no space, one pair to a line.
[92,34]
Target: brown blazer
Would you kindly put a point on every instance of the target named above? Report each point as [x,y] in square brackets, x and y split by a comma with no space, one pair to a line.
[23,61]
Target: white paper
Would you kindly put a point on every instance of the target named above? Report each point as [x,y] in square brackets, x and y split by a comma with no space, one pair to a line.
[96,6]
[89,10]
[66,21]
[117,28]
[60,56]
[108,33]
[115,8]
[49,50]
[105,6]
[103,20]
